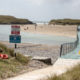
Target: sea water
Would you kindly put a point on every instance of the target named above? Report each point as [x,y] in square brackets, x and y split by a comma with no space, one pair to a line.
[5,31]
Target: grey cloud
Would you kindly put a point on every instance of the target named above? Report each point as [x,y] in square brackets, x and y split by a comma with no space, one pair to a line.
[50,9]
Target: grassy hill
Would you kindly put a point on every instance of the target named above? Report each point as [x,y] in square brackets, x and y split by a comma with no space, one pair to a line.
[65,21]
[13,20]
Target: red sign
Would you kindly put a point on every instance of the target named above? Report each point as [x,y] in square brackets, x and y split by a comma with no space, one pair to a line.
[15,26]
[15,30]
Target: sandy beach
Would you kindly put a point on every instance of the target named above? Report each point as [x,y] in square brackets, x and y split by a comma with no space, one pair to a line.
[42,50]
[57,30]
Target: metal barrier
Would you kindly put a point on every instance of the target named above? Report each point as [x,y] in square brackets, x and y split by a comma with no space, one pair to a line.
[68,47]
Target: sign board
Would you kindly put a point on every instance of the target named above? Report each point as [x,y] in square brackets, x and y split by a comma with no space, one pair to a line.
[15,39]
[15,34]
[15,26]
[15,30]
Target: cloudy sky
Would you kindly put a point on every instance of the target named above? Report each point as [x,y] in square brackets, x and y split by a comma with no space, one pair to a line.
[41,10]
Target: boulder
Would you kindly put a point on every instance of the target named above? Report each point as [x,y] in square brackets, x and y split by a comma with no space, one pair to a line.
[46,60]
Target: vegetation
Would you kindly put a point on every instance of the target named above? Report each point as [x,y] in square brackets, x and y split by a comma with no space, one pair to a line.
[13,20]
[73,74]
[65,21]
[12,66]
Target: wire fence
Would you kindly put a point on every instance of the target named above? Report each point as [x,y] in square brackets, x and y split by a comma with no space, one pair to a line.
[68,47]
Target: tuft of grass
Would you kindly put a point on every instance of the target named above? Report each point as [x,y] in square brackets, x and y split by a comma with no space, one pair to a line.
[22,59]
[73,74]
[9,67]
[6,50]
[12,66]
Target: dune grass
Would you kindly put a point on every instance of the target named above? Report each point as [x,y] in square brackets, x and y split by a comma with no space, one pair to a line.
[12,66]
[73,74]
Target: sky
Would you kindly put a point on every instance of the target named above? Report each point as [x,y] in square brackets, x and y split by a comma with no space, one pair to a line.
[41,10]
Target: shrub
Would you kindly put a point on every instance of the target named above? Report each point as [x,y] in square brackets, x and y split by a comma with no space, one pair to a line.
[22,59]
[6,50]
[13,65]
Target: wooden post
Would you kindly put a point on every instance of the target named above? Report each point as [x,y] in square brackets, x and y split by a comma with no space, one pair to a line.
[15,48]
[15,45]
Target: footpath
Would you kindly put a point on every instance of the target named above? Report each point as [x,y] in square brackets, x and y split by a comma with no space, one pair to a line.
[60,66]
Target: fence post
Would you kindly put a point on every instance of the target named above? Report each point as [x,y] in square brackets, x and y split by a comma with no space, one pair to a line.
[66,47]
[61,50]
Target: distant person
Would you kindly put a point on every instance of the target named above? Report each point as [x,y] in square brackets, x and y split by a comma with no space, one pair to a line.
[27,28]
[35,26]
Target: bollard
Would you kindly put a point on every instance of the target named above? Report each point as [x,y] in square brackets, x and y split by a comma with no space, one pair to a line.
[61,51]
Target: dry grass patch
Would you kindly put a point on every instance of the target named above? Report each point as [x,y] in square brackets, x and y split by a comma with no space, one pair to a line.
[73,74]
[12,66]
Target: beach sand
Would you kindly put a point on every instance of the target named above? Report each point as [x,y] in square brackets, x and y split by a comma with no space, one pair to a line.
[37,50]
[57,30]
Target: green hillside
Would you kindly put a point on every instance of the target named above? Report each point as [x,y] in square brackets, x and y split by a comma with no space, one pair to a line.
[65,21]
[13,20]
